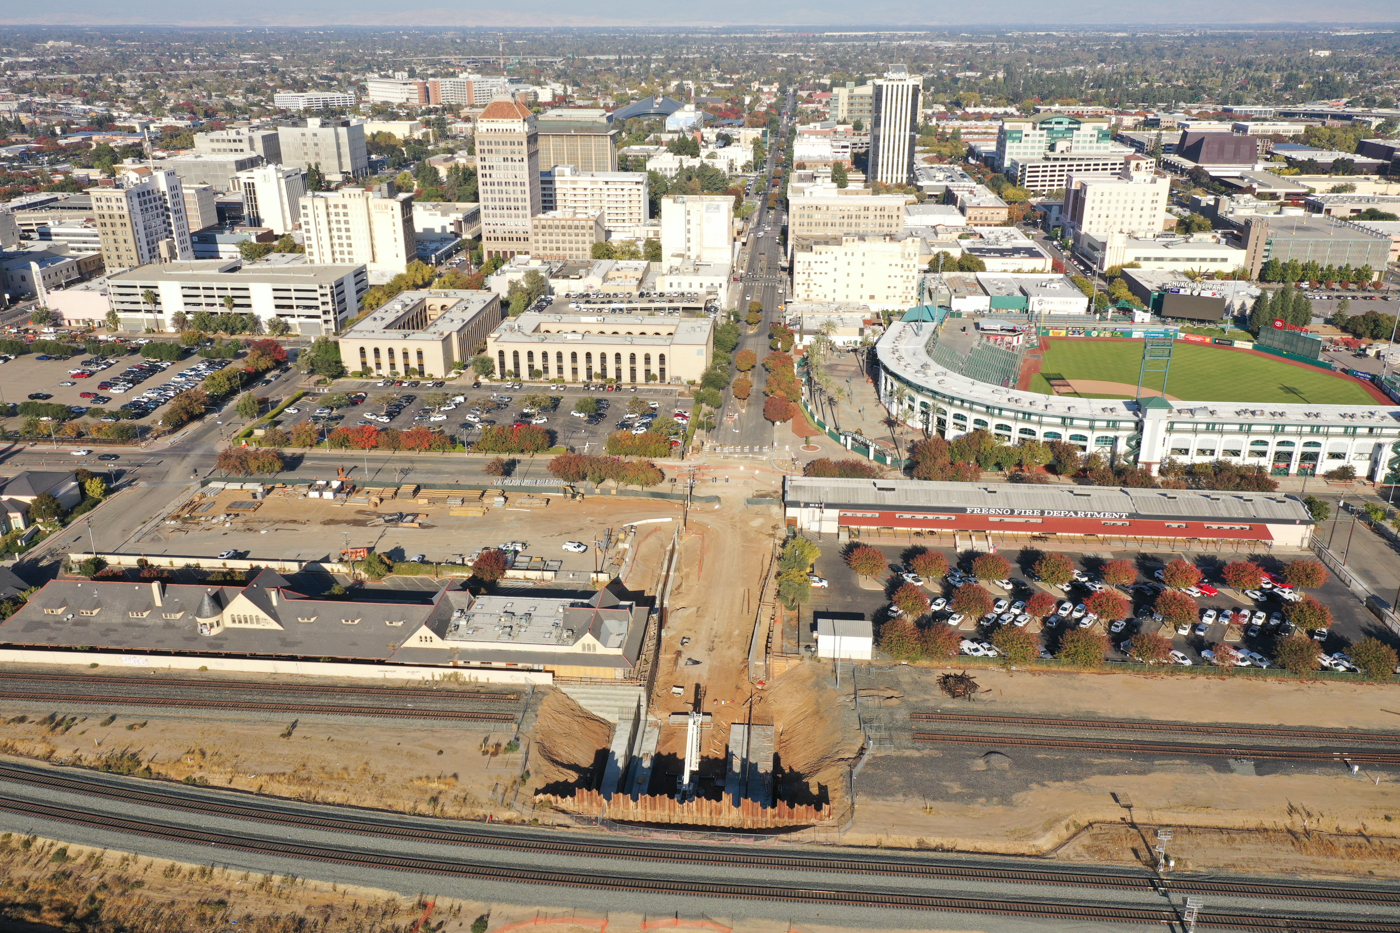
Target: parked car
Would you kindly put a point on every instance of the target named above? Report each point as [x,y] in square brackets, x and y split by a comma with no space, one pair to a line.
[576,547]
[818,582]
[1178,658]
[914,578]
[228,555]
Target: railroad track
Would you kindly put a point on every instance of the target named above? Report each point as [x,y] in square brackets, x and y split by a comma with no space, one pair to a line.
[288,689]
[1361,756]
[1175,728]
[634,884]
[121,699]
[924,870]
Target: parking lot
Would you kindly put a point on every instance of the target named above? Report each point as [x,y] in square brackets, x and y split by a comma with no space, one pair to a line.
[103,391]
[407,406]
[1350,619]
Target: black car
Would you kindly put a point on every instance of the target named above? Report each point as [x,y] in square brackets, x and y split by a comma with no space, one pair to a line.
[39,396]
[108,457]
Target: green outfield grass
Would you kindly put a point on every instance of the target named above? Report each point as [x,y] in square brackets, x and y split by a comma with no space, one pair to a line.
[1200,373]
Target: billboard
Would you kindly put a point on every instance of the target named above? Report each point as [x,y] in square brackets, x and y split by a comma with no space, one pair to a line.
[1193,307]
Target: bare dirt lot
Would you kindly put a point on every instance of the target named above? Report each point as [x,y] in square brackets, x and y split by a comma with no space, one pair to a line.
[1035,801]
[414,768]
[714,601]
[285,527]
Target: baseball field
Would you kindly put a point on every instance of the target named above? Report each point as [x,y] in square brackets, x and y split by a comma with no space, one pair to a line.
[1198,373]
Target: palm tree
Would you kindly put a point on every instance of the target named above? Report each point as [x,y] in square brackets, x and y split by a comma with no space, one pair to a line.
[149,298]
[228,303]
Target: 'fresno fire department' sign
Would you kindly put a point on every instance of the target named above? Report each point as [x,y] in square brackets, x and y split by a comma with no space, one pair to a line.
[1047,513]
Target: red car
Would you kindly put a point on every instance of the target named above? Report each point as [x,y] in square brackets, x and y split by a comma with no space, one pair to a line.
[1277,581]
[83,374]
[87,395]
[1207,589]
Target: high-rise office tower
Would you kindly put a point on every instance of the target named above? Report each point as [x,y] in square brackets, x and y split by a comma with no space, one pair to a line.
[508,176]
[894,125]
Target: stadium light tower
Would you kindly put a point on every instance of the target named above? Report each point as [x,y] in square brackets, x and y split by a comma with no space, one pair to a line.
[1156,358]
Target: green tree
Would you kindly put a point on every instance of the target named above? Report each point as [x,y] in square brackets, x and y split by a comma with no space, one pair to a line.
[1296,653]
[1054,569]
[375,567]
[95,488]
[587,405]
[1261,316]
[1084,647]
[248,406]
[603,250]
[1374,658]
[1017,646]
[322,358]
[1318,509]
[651,249]
[483,366]
[838,175]
[45,507]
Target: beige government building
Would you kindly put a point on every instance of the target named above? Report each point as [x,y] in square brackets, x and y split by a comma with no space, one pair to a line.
[422,333]
[626,348]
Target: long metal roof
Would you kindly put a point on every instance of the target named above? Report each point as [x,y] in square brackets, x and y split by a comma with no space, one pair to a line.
[1166,503]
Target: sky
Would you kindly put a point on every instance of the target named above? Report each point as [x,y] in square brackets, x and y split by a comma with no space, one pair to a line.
[840,13]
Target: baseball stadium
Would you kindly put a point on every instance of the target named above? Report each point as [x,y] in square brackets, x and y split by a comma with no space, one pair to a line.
[1142,392]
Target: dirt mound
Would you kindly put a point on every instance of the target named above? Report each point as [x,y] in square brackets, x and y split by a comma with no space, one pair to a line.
[817,733]
[571,746]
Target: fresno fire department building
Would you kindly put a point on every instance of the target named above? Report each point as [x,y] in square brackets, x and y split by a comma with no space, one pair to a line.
[978,514]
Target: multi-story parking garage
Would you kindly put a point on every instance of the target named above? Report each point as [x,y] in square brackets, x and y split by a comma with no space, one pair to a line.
[926,386]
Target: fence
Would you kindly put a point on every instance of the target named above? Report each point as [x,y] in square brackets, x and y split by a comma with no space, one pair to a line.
[855,443]
[1381,607]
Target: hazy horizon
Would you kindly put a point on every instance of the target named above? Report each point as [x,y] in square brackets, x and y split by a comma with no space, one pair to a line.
[880,15]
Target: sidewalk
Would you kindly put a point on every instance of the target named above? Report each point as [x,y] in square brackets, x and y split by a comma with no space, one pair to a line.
[861,411]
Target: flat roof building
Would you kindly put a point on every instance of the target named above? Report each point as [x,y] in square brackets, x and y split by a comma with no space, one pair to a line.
[856,508]
[624,348]
[566,234]
[421,333]
[313,300]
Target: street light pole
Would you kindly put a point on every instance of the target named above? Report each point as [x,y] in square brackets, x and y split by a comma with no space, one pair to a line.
[1349,537]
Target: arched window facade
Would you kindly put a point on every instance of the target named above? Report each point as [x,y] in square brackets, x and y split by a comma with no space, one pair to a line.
[661,366]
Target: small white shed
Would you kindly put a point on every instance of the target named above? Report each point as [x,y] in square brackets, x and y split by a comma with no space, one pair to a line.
[851,639]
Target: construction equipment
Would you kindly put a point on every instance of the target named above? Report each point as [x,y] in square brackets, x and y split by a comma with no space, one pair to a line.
[355,553]
[573,494]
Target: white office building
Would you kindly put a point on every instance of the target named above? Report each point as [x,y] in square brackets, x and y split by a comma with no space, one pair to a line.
[353,225]
[879,271]
[1134,204]
[895,123]
[698,227]
[336,146]
[272,197]
[621,197]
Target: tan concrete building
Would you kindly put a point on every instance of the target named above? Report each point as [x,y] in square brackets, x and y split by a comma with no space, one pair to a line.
[882,272]
[200,208]
[508,176]
[422,333]
[829,211]
[565,234]
[142,219]
[629,349]
[354,225]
